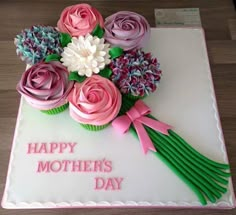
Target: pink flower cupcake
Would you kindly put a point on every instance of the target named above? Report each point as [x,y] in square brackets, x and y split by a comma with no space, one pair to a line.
[45,86]
[79,20]
[94,103]
[126,29]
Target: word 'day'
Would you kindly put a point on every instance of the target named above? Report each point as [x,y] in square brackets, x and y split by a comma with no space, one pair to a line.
[108,183]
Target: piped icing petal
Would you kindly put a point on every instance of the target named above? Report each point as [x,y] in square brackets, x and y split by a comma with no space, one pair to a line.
[136,73]
[86,55]
[45,85]
[96,101]
[35,43]
[79,20]
[127,30]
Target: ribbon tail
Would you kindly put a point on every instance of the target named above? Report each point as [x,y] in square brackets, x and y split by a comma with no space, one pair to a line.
[156,125]
[143,137]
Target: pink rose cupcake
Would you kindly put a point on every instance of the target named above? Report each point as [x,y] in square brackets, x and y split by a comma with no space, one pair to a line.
[79,20]
[94,103]
[45,86]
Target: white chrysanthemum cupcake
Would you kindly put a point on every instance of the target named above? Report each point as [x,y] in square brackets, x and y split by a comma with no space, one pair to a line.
[86,54]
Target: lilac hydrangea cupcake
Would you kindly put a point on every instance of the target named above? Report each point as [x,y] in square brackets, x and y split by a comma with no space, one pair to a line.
[136,73]
[35,43]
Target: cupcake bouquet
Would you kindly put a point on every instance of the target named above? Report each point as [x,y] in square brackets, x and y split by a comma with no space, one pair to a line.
[98,69]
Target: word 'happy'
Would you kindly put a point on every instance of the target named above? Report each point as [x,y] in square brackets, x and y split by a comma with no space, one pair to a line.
[50,148]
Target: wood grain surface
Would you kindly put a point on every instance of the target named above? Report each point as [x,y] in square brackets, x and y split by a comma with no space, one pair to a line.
[219,21]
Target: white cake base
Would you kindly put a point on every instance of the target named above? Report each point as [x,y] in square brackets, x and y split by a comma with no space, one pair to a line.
[185,99]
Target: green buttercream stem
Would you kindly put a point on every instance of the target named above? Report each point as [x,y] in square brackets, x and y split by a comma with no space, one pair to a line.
[193,170]
[205,159]
[167,162]
[205,167]
[126,105]
[195,152]
[181,172]
[115,52]
[199,172]
[98,31]
[201,197]
[203,185]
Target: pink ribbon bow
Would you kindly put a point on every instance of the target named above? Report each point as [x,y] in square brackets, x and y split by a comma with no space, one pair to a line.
[136,115]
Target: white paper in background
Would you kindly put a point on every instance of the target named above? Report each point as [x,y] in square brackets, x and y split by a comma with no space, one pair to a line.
[181,17]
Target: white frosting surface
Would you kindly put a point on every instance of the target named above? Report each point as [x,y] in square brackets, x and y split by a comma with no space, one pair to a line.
[185,99]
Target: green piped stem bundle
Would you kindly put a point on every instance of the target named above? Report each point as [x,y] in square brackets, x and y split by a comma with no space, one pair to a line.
[206,178]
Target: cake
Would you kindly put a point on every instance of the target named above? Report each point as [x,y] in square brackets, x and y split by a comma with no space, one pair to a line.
[55,162]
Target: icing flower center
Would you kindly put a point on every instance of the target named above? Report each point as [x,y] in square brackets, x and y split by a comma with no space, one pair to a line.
[93,97]
[85,53]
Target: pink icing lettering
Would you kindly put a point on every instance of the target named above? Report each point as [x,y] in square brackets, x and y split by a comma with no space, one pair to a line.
[66,163]
[108,166]
[55,166]
[99,183]
[32,148]
[43,148]
[53,147]
[72,146]
[87,166]
[62,147]
[97,166]
[76,166]
[118,182]
[43,166]
[108,183]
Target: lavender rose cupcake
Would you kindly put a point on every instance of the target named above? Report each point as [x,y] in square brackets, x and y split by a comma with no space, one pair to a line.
[127,30]
[45,86]
[94,103]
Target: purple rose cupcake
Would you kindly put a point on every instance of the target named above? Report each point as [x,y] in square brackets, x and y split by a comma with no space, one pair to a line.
[45,86]
[127,30]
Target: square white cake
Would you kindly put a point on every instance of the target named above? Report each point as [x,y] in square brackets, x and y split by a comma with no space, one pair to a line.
[57,163]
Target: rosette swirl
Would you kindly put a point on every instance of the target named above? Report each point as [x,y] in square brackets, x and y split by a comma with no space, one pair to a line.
[79,20]
[127,30]
[96,101]
[45,85]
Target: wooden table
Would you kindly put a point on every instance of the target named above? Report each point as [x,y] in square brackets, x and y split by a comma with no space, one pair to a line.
[219,22]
